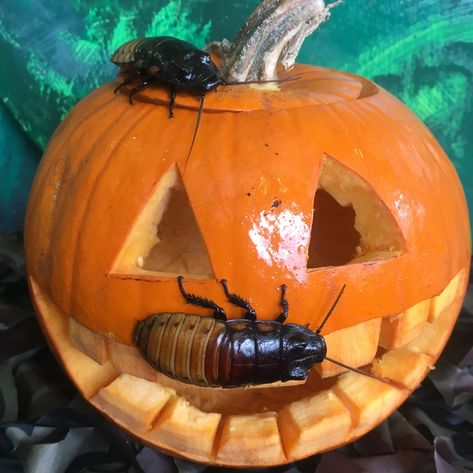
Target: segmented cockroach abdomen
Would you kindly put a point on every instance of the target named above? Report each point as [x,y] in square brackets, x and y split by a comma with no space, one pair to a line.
[136,54]
[186,347]
[125,54]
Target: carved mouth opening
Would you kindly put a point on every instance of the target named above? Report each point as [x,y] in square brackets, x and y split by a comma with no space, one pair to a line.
[325,409]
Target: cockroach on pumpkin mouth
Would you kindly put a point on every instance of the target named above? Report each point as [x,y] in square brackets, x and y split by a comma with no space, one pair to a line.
[216,352]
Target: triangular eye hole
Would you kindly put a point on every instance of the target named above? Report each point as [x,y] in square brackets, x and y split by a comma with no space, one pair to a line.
[165,238]
[350,224]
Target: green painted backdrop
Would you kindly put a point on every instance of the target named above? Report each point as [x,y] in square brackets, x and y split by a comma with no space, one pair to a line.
[52,53]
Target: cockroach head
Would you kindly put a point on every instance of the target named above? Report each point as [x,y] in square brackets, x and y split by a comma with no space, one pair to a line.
[198,72]
[302,349]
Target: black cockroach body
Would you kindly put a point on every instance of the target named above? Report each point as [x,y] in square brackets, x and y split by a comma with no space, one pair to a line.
[214,351]
[167,61]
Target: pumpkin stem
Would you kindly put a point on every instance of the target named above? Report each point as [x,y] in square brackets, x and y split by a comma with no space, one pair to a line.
[273,34]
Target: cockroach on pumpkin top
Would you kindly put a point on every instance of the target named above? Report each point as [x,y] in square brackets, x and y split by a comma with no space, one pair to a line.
[167,61]
[216,352]
[173,62]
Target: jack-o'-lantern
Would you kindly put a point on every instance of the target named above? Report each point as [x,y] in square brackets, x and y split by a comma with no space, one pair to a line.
[319,182]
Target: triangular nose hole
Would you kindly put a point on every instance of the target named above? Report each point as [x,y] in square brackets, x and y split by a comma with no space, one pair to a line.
[351,224]
[166,238]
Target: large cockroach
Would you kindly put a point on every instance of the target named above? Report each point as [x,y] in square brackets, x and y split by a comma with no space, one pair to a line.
[167,61]
[216,352]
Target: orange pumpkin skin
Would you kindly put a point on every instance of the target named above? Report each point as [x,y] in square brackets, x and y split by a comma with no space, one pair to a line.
[253,148]
[257,161]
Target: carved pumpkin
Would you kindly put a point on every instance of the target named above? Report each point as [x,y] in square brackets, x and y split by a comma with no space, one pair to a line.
[331,181]
[327,181]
